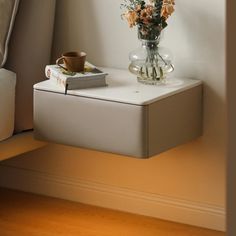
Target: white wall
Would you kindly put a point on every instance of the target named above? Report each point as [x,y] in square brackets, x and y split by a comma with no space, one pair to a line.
[196,35]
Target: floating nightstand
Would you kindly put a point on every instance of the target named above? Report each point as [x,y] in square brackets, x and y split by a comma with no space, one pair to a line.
[125,117]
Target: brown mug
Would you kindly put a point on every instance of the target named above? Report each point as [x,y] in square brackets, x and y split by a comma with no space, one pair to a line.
[73,61]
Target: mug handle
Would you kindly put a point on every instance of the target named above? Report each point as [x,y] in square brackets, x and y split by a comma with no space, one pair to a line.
[58,63]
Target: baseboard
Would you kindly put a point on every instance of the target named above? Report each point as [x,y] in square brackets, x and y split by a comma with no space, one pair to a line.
[158,206]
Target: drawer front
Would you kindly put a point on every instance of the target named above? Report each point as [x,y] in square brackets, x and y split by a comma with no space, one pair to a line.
[91,123]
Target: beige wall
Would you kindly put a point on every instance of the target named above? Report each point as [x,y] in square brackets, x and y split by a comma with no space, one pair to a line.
[196,36]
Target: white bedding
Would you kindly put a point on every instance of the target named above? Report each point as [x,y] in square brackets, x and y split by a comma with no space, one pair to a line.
[7,103]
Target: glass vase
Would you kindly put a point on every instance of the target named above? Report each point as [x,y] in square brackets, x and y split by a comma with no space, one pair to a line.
[151,63]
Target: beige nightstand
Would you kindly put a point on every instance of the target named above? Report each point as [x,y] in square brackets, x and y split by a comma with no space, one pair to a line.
[125,117]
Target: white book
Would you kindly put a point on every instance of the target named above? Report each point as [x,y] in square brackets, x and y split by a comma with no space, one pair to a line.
[92,77]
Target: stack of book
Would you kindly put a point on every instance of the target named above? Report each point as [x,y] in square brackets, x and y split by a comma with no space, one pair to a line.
[91,77]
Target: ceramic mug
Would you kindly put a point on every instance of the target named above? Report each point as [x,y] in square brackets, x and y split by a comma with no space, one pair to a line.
[73,61]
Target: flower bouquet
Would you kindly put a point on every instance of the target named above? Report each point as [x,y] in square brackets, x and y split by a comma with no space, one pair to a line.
[151,63]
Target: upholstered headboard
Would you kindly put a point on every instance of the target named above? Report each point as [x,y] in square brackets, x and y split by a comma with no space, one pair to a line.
[29,52]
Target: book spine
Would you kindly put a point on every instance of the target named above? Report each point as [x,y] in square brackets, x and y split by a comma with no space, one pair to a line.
[57,81]
[55,76]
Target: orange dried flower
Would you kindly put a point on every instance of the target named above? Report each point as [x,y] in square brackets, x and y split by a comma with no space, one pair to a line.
[146,14]
[149,15]
[167,8]
[138,8]
[131,17]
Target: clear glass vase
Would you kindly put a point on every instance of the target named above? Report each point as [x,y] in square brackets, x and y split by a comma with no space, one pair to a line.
[151,63]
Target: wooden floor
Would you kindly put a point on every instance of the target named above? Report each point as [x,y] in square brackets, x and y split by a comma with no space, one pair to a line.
[23,214]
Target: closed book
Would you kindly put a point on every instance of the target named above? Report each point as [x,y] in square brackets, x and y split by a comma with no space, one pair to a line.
[92,77]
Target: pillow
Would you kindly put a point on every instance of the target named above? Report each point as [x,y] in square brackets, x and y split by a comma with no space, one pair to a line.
[8,9]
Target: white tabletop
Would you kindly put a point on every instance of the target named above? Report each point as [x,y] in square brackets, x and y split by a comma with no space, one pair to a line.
[123,87]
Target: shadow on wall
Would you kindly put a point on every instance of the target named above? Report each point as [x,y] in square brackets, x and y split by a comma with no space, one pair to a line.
[75,19]
[199,49]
